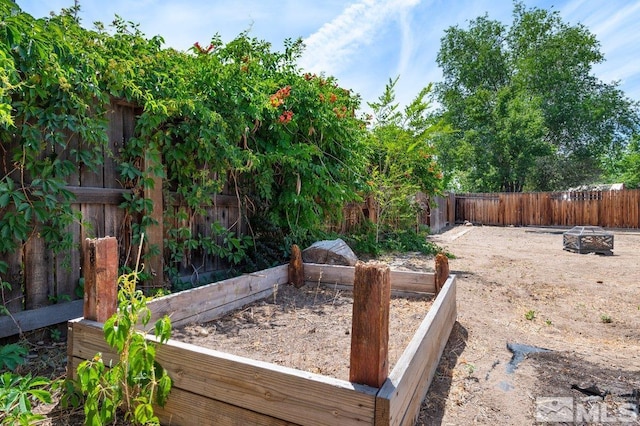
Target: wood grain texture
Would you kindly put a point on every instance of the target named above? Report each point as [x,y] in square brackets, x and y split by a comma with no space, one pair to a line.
[213,387]
[442,271]
[296,267]
[608,209]
[399,398]
[39,318]
[154,233]
[211,301]
[14,297]
[100,271]
[282,393]
[38,272]
[369,363]
[408,281]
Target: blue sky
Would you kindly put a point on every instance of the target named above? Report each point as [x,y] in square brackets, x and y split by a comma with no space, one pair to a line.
[364,42]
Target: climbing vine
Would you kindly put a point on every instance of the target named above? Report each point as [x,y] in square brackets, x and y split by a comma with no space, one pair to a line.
[235,116]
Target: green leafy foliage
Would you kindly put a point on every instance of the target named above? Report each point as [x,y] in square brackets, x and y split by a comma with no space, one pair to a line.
[236,118]
[233,116]
[17,395]
[12,355]
[136,381]
[401,160]
[51,93]
[626,168]
[369,240]
[4,286]
[527,111]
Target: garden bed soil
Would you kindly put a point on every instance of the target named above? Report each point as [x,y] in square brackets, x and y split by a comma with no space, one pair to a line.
[585,309]
[308,329]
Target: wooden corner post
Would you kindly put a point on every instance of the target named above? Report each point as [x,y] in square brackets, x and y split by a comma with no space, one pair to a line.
[100,270]
[296,267]
[442,271]
[370,326]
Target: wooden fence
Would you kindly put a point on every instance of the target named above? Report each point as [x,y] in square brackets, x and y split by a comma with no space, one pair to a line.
[608,209]
[45,286]
[42,279]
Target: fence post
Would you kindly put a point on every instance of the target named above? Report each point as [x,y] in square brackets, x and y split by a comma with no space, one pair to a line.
[442,271]
[100,270]
[451,209]
[370,325]
[296,267]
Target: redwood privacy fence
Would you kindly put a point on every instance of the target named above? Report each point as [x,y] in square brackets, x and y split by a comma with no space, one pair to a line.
[608,209]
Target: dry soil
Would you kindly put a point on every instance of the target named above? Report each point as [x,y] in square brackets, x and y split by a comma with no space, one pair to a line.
[518,286]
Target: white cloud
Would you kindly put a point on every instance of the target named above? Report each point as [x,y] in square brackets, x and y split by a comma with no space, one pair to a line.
[616,29]
[330,49]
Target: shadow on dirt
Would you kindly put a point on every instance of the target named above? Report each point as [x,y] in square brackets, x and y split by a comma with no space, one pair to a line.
[433,406]
[594,388]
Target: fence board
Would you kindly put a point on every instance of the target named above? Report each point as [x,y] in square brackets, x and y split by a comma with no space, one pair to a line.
[609,209]
[67,267]
[38,280]
[13,299]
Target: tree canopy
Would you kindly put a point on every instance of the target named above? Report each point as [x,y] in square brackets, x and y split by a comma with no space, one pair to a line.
[526,109]
[401,160]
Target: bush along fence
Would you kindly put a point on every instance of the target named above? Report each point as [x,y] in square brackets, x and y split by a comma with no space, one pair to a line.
[107,133]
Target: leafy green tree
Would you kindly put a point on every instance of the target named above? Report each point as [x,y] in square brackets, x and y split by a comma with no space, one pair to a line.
[627,168]
[527,110]
[401,158]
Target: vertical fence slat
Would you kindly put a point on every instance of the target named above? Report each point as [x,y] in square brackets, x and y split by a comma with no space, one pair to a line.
[609,209]
[13,298]
[38,276]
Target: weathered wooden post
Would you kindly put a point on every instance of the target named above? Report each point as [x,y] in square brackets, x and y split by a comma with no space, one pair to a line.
[100,271]
[296,267]
[442,271]
[370,326]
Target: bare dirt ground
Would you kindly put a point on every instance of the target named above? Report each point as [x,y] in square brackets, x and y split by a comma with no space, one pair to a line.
[515,286]
[308,329]
[518,286]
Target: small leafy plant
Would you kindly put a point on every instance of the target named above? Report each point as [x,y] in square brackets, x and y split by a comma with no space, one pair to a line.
[530,315]
[12,355]
[606,319]
[18,393]
[137,380]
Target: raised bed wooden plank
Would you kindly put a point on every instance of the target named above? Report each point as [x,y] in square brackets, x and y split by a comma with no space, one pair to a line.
[186,408]
[399,398]
[280,392]
[343,275]
[208,302]
[204,411]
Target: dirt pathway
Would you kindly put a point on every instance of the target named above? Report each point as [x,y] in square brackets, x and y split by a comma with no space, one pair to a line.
[518,286]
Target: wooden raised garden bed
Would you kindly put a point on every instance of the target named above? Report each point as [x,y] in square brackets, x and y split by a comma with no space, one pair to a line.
[216,388]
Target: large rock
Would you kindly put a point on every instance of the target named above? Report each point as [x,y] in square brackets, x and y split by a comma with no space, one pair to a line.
[331,252]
